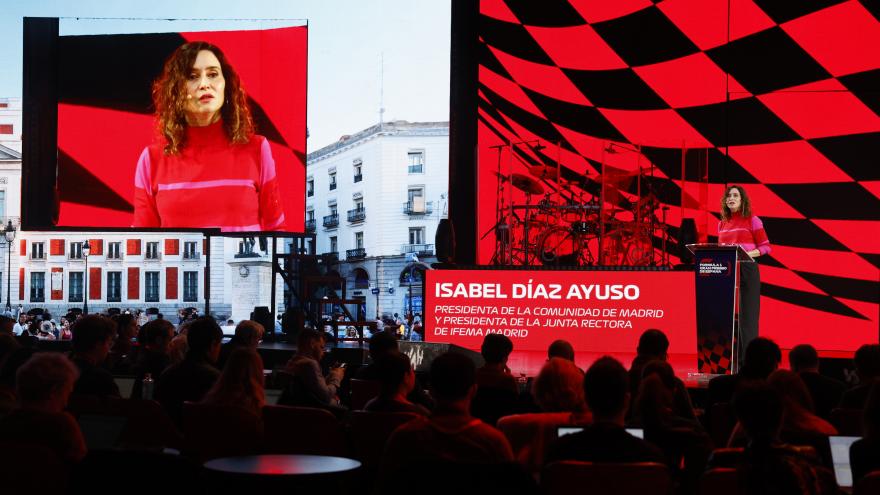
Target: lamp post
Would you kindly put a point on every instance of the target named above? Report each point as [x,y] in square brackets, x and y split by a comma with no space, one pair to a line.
[9,233]
[85,252]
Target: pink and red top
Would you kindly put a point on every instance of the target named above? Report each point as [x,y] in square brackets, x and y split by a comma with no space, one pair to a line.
[211,183]
[748,232]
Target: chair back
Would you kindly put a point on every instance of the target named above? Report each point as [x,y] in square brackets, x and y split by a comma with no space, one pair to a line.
[725,458]
[848,422]
[369,431]
[212,431]
[147,425]
[719,481]
[26,468]
[613,478]
[868,485]
[531,435]
[362,391]
[112,472]
[302,430]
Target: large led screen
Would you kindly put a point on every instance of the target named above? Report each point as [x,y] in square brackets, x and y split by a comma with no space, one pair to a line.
[186,129]
[669,101]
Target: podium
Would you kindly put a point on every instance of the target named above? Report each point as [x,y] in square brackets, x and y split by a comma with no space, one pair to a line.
[716,284]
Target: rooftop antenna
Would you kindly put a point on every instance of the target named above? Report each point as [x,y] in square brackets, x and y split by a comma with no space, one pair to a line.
[381,89]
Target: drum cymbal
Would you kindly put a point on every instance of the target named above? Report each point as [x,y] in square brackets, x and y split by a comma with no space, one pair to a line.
[526,184]
[543,172]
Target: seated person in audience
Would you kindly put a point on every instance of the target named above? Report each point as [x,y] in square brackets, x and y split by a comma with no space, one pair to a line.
[43,385]
[864,454]
[682,438]
[8,347]
[867,363]
[769,466]
[240,383]
[653,346]
[762,357]
[450,433]
[309,386]
[121,356]
[191,379]
[497,391]
[606,388]
[559,387]
[397,377]
[6,326]
[248,335]
[153,357]
[381,344]
[825,392]
[560,349]
[178,347]
[92,337]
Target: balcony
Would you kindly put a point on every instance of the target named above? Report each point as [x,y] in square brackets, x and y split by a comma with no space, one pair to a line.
[357,215]
[358,177]
[330,257]
[418,207]
[418,249]
[355,254]
[310,225]
[331,221]
[191,256]
[153,256]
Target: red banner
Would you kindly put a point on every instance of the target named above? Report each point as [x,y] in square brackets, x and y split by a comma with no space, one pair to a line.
[597,311]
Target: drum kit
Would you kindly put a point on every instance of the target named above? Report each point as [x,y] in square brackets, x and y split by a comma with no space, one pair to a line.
[568,226]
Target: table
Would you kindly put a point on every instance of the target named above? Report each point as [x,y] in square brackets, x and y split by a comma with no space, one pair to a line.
[280,472]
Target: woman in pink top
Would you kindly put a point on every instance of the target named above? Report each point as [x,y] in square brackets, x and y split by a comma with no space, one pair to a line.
[209,169]
[739,226]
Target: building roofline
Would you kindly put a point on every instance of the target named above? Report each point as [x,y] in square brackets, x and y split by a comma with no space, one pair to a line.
[395,128]
[7,153]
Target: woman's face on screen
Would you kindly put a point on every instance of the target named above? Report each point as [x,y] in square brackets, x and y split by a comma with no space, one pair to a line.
[205,87]
[734,199]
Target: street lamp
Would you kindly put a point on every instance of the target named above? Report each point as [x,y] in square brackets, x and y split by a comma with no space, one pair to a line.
[9,233]
[85,252]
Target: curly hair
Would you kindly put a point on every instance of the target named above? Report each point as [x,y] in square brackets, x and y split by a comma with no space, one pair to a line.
[169,98]
[746,208]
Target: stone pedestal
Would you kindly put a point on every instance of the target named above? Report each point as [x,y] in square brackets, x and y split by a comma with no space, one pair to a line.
[251,286]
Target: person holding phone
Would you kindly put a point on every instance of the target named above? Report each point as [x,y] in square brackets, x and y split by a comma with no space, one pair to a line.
[209,169]
[309,386]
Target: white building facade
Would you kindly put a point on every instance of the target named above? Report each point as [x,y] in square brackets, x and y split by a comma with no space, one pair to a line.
[374,198]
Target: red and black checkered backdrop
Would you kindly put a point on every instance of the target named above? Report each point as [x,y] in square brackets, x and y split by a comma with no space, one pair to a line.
[781,97]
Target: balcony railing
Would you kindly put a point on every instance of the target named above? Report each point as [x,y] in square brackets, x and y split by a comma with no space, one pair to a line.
[152,256]
[330,257]
[358,177]
[417,208]
[192,256]
[355,254]
[357,215]
[418,249]
[310,225]
[331,221]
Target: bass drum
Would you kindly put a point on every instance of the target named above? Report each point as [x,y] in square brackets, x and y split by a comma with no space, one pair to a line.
[559,246]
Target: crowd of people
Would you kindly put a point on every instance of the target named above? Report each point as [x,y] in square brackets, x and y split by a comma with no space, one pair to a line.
[463,412]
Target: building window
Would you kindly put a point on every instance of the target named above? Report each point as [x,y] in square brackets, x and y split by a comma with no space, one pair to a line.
[333,210]
[417,235]
[334,244]
[114,250]
[152,251]
[310,215]
[76,250]
[332,180]
[416,160]
[3,206]
[310,187]
[38,287]
[151,286]
[5,128]
[75,287]
[358,240]
[189,250]
[190,286]
[358,170]
[37,252]
[114,286]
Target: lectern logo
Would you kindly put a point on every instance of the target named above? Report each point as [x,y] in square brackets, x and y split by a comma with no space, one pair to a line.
[707,268]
